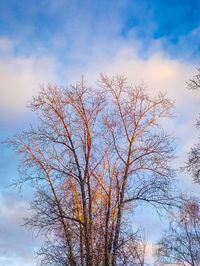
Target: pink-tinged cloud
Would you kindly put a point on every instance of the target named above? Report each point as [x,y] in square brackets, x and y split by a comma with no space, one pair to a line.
[17,244]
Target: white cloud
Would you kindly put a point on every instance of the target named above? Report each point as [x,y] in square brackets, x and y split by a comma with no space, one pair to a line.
[149,251]
[20,77]
[16,243]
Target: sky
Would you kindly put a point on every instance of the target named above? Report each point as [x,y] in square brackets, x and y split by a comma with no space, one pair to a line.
[57,42]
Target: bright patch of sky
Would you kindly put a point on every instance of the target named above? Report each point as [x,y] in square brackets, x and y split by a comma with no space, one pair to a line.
[58,41]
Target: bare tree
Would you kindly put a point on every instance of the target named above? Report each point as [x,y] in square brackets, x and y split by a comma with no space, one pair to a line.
[193,161]
[194,83]
[181,244]
[95,155]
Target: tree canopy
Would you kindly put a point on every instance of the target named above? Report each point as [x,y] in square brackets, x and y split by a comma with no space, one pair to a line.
[96,153]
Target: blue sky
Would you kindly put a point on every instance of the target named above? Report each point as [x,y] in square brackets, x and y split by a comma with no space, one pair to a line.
[58,28]
[58,41]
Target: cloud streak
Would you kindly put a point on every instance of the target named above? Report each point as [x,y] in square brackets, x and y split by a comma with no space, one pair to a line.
[16,244]
[20,76]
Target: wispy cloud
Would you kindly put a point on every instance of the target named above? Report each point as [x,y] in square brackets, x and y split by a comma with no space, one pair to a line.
[16,245]
[20,76]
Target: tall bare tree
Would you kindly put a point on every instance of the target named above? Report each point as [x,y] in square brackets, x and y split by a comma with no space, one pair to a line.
[181,244]
[193,161]
[94,156]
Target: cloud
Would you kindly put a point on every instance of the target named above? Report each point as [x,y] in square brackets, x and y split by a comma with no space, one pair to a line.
[21,76]
[16,243]
[149,253]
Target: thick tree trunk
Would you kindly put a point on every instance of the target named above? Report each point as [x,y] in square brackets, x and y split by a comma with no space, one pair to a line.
[120,210]
[89,260]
